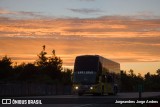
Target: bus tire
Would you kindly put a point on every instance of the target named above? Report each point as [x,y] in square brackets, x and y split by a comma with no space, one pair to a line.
[96,94]
[110,93]
[102,93]
[80,94]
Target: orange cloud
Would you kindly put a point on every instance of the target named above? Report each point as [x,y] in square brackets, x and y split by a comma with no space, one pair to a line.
[123,40]
[87,27]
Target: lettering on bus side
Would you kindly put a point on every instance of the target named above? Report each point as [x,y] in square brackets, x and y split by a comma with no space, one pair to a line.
[85,72]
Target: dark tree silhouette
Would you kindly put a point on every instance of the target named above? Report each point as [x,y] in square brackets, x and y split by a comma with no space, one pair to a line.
[5,68]
[152,82]
[42,59]
[52,66]
[49,70]
[130,82]
[131,73]
[67,76]
[158,72]
[5,62]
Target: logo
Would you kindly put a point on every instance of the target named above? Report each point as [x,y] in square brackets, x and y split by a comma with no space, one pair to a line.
[6,101]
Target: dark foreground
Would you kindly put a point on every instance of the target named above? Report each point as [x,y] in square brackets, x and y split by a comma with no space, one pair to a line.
[148,99]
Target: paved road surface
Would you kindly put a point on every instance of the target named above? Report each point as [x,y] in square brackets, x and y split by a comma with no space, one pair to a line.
[119,95]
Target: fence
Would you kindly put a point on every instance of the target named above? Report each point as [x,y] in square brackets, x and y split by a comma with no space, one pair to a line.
[34,89]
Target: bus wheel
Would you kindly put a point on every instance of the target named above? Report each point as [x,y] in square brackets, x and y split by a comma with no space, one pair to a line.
[102,93]
[115,90]
[110,93]
[80,94]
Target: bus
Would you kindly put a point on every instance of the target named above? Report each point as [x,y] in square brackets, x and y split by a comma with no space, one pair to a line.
[94,74]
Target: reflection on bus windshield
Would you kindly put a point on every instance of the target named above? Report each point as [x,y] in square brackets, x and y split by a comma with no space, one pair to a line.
[84,78]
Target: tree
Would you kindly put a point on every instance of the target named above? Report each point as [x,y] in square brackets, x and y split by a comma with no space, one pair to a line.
[130,82]
[131,72]
[67,76]
[158,72]
[5,62]
[126,82]
[55,62]
[42,59]
[5,67]
[52,66]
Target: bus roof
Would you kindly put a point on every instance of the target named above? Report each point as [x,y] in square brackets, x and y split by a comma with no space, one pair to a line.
[112,66]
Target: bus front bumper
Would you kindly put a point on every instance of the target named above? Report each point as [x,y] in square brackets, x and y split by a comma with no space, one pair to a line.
[84,89]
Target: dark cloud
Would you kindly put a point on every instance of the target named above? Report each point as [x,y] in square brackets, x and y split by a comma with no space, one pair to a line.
[130,17]
[86,10]
[33,14]
[4,12]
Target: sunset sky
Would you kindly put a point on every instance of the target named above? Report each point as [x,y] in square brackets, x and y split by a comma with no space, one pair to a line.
[126,31]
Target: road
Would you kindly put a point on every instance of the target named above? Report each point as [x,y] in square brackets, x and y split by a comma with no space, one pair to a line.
[119,95]
[90,100]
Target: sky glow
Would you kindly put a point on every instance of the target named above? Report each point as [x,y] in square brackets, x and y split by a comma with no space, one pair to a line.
[126,31]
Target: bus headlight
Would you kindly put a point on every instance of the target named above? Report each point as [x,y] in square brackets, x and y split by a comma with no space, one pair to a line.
[76,87]
[91,87]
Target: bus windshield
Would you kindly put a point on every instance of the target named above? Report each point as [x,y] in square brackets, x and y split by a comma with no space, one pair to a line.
[86,63]
[86,69]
